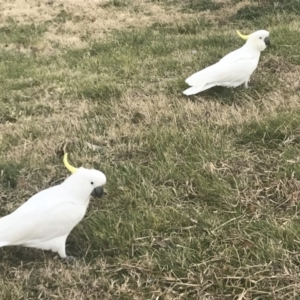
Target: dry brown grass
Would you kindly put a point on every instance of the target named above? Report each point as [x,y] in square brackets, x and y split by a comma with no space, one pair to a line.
[80,18]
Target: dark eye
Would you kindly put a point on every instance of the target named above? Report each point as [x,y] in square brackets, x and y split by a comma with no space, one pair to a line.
[92,183]
[260,37]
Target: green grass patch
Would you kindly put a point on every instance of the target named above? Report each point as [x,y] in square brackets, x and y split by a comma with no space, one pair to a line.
[9,173]
[211,5]
[15,33]
[271,133]
[193,6]
[16,66]
[100,92]
[117,3]
[192,27]
[266,13]
[63,16]
[286,42]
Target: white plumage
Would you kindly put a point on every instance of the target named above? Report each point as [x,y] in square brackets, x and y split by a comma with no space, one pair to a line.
[47,218]
[233,69]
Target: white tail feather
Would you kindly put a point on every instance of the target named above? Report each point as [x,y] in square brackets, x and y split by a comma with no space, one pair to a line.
[192,90]
[197,89]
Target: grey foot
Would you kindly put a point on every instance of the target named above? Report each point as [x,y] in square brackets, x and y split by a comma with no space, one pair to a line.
[69,259]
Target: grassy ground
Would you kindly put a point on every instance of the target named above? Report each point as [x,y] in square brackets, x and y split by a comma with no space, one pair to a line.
[202,193]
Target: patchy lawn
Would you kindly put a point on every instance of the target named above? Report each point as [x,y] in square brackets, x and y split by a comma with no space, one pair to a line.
[202,193]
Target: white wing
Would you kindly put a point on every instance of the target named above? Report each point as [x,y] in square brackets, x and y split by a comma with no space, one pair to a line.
[236,54]
[224,73]
[49,214]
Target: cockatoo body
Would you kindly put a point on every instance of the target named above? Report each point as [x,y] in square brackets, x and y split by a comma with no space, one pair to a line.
[48,217]
[233,69]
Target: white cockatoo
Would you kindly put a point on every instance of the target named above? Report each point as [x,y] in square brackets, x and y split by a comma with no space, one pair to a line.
[233,69]
[47,218]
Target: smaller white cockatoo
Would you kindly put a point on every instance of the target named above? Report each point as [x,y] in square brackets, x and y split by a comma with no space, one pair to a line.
[47,218]
[233,69]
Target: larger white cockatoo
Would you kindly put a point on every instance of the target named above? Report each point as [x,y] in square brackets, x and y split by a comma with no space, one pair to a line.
[233,69]
[47,218]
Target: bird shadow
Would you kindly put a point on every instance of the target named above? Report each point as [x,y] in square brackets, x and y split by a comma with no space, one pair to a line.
[226,96]
[17,256]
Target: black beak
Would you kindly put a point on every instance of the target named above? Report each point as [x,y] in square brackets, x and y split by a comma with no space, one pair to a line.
[267,41]
[98,192]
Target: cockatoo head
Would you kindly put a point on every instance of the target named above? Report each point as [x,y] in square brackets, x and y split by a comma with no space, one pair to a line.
[259,39]
[86,182]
